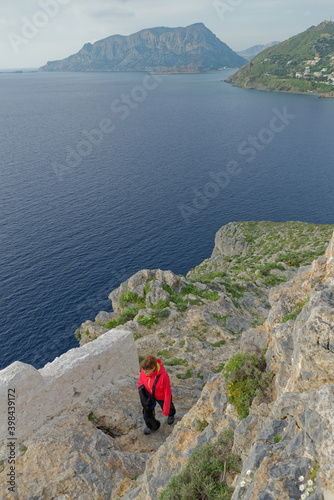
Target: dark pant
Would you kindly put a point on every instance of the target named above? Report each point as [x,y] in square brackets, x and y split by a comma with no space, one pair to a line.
[149,415]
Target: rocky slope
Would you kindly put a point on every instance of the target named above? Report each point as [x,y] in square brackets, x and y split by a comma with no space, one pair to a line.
[266,286]
[303,63]
[191,49]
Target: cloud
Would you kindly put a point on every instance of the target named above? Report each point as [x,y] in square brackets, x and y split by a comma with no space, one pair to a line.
[111,13]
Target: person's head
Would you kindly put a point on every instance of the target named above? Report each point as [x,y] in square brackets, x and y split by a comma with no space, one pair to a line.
[149,365]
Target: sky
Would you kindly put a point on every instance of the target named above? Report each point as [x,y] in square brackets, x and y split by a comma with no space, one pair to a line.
[33,32]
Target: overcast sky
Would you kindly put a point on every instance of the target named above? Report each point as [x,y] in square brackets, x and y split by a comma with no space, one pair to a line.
[30,37]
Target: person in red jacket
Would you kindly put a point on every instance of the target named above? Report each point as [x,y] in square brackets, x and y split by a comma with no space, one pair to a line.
[154,387]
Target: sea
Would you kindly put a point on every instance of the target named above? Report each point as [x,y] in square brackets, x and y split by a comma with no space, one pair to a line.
[105,174]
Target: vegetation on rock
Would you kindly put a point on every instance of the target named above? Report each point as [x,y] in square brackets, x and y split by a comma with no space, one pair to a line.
[247,378]
[204,477]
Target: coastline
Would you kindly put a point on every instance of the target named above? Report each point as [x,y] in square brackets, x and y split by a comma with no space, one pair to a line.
[309,92]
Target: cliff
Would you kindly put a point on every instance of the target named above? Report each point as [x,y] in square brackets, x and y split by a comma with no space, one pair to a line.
[267,290]
[191,49]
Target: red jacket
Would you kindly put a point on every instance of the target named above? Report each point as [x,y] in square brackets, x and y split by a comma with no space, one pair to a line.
[162,389]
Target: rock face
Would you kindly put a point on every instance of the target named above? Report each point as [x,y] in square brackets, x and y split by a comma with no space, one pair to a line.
[266,287]
[194,48]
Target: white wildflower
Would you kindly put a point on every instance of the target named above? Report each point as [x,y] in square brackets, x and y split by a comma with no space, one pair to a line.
[302,487]
[303,496]
[242,484]
[248,472]
[310,482]
[301,478]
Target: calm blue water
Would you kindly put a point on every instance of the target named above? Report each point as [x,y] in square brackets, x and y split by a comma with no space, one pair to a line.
[66,244]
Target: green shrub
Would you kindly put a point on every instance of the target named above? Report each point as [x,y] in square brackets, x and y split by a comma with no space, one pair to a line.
[78,334]
[91,416]
[147,321]
[127,315]
[161,304]
[162,314]
[181,307]
[247,378]
[203,477]
[131,297]
[112,323]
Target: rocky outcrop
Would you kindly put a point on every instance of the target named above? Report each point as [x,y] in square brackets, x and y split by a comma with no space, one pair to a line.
[264,288]
[194,48]
[291,438]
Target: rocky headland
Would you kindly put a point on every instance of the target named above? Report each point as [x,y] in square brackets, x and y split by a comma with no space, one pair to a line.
[266,293]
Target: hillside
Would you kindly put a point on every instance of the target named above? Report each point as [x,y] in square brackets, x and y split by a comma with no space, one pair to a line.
[265,292]
[303,63]
[255,50]
[191,49]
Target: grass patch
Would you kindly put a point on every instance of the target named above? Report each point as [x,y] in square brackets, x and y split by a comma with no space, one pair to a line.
[204,477]
[188,374]
[164,354]
[201,425]
[23,449]
[176,362]
[293,315]
[91,416]
[247,378]
[219,344]
[221,319]
[220,368]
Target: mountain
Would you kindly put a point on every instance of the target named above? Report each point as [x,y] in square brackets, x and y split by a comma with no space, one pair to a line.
[303,63]
[255,50]
[191,49]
